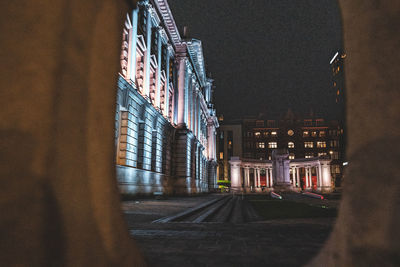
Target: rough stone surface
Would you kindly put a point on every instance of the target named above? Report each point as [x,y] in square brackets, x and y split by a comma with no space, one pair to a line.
[366,233]
[58,196]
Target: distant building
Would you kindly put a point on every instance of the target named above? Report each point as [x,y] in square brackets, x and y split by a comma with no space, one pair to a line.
[229,145]
[308,138]
[338,82]
[165,124]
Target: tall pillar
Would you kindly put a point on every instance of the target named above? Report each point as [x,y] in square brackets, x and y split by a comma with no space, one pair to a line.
[158,75]
[319,175]
[298,176]
[132,46]
[181,92]
[236,184]
[293,177]
[306,170]
[166,93]
[258,178]
[147,55]
[247,172]
[271,181]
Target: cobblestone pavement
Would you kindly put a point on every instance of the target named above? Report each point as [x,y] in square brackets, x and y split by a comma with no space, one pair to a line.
[290,242]
[147,210]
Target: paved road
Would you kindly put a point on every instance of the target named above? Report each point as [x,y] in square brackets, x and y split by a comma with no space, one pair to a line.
[270,243]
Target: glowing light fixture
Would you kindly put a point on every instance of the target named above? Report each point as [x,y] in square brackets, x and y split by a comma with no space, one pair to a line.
[334,57]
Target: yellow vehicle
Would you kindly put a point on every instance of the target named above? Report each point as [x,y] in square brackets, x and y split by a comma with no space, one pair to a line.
[224,185]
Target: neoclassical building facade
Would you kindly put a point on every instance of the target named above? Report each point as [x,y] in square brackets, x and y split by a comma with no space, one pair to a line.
[165,120]
[281,174]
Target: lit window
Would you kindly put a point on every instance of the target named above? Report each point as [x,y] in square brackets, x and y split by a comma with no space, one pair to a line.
[314,134]
[306,134]
[257,134]
[291,156]
[322,134]
[308,144]
[335,169]
[269,157]
[321,144]
[272,145]
[334,143]
[290,132]
[221,155]
[274,133]
[321,154]
[334,155]
[290,145]
[260,145]
[266,134]
[309,155]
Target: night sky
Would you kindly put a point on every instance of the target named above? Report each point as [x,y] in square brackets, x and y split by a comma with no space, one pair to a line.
[266,55]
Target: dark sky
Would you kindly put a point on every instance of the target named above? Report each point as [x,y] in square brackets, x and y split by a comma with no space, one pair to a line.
[266,55]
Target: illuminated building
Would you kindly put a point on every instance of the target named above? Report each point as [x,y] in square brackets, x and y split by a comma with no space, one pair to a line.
[309,141]
[165,120]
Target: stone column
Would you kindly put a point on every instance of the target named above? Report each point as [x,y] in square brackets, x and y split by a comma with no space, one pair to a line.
[298,176]
[181,92]
[166,93]
[306,174]
[147,55]
[132,46]
[271,180]
[158,75]
[247,175]
[236,184]
[319,179]
[258,178]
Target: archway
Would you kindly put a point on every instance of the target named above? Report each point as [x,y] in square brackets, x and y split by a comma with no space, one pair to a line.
[63,41]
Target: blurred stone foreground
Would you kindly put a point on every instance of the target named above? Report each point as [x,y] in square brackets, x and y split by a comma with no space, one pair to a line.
[59,200]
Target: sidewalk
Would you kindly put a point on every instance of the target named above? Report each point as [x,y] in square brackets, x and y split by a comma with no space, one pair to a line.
[286,242]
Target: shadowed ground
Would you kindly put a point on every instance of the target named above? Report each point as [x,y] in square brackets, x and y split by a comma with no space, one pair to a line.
[281,242]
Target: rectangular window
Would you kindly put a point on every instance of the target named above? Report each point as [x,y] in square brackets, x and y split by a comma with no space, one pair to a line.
[266,134]
[321,154]
[322,134]
[257,134]
[334,154]
[274,133]
[290,145]
[309,155]
[335,169]
[334,143]
[308,144]
[314,134]
[272,145]
[321,144]
[306,134]
[260,145]
[291,156]
[221,155]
